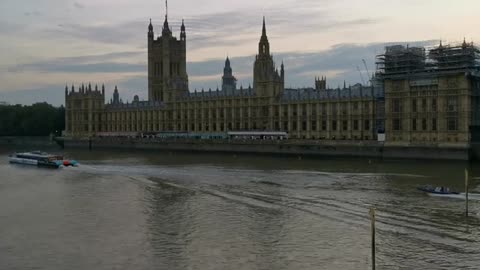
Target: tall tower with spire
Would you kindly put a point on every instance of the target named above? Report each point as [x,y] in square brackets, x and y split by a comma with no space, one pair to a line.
[167,63]
[268,81]
[229,82]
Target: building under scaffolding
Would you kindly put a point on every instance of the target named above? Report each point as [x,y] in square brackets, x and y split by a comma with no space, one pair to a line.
[399,60]
[432,96]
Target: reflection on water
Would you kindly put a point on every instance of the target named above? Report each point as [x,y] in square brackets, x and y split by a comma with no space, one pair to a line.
[161,210]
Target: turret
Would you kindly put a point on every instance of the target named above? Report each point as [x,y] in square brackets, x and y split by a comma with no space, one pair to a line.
[183,35]
[150,30]
[229,82]
[103,89]
[116,96]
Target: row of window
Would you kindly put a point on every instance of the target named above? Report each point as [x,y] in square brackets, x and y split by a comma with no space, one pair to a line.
[421,105]
[302,108]
[295,126]
[423,126]
[206,113]
[452,124]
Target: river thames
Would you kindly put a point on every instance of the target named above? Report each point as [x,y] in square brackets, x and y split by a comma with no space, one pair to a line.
[161,210]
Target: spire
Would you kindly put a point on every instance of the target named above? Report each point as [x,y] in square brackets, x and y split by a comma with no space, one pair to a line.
[264,46]
[264,29]
[182,28]
[282,72]
[150,26]
[166,29]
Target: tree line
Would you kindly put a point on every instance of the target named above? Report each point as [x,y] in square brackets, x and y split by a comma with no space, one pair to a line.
[40,119]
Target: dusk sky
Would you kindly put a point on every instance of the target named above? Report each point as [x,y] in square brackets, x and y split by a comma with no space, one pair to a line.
[45,44]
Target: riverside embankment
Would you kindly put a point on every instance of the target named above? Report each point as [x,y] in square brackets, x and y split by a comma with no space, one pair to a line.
[27,141]
[286,147]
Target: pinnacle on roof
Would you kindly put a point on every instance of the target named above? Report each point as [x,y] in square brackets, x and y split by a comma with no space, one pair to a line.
[166,28]
[264,29]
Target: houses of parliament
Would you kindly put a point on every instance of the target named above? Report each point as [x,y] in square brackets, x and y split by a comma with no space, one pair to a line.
[418,96]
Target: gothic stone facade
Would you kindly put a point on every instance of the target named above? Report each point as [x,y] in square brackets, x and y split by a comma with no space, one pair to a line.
[348,113]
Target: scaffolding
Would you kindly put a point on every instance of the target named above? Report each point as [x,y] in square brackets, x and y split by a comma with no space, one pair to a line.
[464,56]
[401,60]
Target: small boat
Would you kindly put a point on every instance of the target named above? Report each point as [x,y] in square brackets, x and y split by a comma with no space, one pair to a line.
[445,192]
[438,190]
[41,159]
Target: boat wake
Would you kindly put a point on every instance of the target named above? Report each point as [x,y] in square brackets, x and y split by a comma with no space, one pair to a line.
[329,199]
[460,196]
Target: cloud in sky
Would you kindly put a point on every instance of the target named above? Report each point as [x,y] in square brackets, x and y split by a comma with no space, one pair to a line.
[45,44]
[78,5]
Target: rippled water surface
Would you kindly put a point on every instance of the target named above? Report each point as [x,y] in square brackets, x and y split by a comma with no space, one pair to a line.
[160,210]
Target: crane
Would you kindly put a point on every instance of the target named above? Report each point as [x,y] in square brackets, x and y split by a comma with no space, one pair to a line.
[361,75]
[366,68]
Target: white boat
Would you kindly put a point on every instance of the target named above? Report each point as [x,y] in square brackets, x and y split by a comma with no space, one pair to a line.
[447,193]
[40,159]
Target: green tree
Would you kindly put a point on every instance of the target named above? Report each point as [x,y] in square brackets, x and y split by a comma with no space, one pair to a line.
[40,119]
